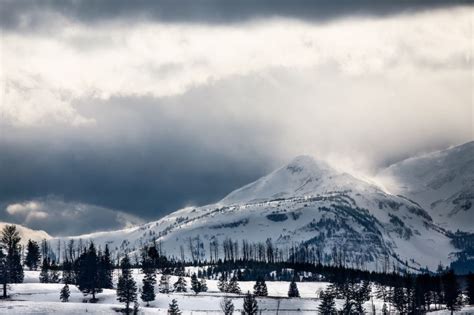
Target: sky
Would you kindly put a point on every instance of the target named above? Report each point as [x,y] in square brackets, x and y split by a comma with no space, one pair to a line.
[114,113]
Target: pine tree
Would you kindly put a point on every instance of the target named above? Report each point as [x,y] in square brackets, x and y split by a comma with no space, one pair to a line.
[3,272]
[33,255]
[222,284]
[88,273]
[64,295]
[44,274]
[164,286]
[148,291]
[195,284]
[10,241]
[68,273]
[470,288]
[452,293]
[260,287]
[149,280]
[250,304]
[233,286]
[327,305]
[126,286]
[105,269]
[293,290]
[399,298]
[54,273]
[180,285]
[173,308]
[203,285]
[360,294]
[227,306]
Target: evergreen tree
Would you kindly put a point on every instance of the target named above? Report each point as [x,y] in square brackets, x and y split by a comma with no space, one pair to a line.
[173,308]
[68,273]
[470,288]
[64,295]
[10,242]
[327,305]
[44,274]
[250,304]
[260,287]
[164,286]
[360,294]
[149,280]
[126,286]
[293,290]
[452,293]
[222,284]
[233,286]
[203,285]
[148,291]
[88,279]
[105,269]
[180,285]
[3,272]
[33,255]
[227,306]
[195,284]
[399,299]
[54,273]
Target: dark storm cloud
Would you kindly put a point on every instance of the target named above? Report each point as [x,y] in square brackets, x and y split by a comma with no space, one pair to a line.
[142,157]
[29,14]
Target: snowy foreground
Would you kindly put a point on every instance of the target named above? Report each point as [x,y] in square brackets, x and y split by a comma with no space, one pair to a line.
[32,297]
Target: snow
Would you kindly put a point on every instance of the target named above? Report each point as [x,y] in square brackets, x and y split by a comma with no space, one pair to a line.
[32,297]
[440,182]
[38,298]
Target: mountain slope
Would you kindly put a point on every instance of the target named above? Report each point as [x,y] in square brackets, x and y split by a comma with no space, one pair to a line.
[26,233]
[305,202]
[441,182]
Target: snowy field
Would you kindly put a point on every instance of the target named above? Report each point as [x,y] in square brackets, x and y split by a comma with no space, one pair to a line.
[33,297]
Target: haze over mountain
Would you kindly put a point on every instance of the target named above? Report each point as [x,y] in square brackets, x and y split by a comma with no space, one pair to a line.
[441,182]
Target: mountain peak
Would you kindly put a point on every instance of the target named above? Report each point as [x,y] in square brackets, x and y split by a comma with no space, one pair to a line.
[302,176]
[306,163]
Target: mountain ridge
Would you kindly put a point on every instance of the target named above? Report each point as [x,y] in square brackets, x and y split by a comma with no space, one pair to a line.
[309,203]
[442,182]
[303,202]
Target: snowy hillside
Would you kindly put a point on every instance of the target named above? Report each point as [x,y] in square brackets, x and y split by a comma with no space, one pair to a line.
[441,182]
[26,233]
[305,202]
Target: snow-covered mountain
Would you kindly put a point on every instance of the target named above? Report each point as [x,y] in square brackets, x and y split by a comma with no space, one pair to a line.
[304,202]
[441,182]
[27,233]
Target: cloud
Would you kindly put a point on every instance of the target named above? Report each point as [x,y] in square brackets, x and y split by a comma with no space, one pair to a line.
[30,211]
[31,15]
[43,75]
[33,104]
[67,218]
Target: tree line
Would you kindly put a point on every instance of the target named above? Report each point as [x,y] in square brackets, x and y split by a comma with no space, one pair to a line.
[91,270]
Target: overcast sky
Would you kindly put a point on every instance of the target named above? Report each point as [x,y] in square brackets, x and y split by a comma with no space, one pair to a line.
[118,112]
